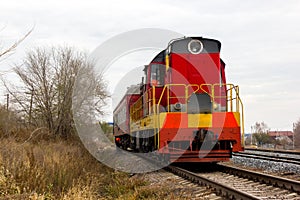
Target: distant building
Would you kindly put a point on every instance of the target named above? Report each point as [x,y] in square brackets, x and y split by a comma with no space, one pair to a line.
[280,135]
[275,134]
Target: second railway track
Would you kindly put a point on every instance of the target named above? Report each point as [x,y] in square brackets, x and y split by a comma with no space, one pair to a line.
[275,158]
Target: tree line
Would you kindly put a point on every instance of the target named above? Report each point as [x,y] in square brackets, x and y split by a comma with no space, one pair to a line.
[41,96]
[261,137]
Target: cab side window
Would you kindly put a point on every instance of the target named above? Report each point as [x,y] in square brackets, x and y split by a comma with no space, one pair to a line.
[157,75]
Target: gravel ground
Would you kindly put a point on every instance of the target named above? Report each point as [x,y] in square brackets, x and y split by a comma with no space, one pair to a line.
[281,169]
[179,188]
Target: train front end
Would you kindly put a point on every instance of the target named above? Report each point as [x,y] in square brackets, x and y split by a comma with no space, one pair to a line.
[203,116]
[187,111]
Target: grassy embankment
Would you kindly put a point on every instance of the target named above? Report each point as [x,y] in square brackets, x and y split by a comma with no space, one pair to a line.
[51,168]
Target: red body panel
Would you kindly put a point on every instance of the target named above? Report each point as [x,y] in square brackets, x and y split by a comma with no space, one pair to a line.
[195,69]
[224,126]
[121,114]
[175,129]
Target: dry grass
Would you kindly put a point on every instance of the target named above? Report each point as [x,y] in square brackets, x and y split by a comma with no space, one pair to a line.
[64,170]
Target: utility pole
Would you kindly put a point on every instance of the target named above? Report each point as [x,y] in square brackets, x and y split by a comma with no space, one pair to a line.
[251,135]
[8,115]
[7,101]
[30,107]
[294,129]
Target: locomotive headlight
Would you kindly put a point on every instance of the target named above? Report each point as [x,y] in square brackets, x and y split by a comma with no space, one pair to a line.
[216,106]
[195,46]
[177,106]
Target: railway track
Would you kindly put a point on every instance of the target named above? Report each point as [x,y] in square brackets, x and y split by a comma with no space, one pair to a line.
[179,186]
[234,183]
[275,157]
[285,163]
[289,152]
[226,182]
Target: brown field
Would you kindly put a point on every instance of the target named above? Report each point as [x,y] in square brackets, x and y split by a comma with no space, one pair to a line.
[59,169]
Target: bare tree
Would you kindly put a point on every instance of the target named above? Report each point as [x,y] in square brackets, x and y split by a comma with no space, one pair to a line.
[260,127]
[261,133]
[48,77]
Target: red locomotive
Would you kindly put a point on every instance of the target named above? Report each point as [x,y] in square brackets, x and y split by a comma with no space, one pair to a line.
[184,110]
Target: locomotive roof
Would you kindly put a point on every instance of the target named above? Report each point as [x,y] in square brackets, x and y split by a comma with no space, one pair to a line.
[160,57]
[210,45]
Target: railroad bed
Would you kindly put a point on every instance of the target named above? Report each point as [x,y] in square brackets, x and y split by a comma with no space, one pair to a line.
[269,160]
[235,183]
[218,183]
[276,157]
[180,187]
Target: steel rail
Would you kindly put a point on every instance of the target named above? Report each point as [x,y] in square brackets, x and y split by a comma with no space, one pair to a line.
[226,191]
[288,184]
[268,157]
[274,151]
[219,188]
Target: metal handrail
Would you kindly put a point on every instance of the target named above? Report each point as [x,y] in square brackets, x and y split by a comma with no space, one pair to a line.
[232,94]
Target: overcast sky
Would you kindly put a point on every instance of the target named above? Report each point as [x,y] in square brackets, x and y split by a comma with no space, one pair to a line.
[260,40]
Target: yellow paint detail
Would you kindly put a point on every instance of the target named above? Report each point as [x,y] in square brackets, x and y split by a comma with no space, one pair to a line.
[143,124]
[167,62]
[158,120]
[194,121]
[237,118]
[162,118]
[199,120]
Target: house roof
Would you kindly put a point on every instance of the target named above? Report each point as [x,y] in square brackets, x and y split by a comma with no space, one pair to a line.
[280,133]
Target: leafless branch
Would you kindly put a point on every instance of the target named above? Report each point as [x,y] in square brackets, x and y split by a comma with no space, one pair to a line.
[14,45]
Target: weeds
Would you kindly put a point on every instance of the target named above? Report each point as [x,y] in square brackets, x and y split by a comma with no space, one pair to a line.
[63,170]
